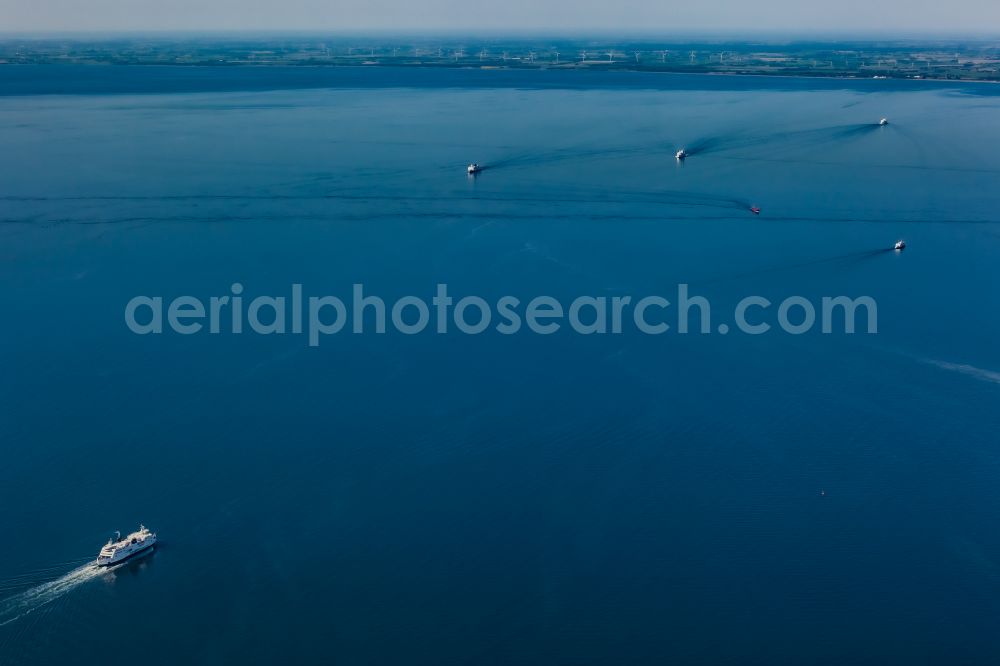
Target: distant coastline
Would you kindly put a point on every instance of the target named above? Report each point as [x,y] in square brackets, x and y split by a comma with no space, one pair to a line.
[856,60]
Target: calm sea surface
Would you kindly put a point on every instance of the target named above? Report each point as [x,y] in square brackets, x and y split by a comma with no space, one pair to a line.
[508,499]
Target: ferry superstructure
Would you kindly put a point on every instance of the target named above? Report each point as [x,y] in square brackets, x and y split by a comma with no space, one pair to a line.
[114,552]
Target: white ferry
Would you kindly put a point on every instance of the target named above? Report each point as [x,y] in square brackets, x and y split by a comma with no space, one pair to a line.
[900,245]
[474,168]
[122,549]
[681,154]
[883,122]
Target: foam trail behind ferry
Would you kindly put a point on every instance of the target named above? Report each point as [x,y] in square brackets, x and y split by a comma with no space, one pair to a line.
[972,371]
[856,256]
[34,598]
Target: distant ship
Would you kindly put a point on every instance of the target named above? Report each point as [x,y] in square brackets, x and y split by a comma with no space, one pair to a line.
[755,210]
[900,245]
[681,154]
[474,168]
[884,121]
[122,549]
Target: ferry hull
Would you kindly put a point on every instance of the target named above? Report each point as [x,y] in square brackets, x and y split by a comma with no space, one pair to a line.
[123,558]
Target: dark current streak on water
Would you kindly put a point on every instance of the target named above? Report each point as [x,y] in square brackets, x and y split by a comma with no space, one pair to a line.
[139,79]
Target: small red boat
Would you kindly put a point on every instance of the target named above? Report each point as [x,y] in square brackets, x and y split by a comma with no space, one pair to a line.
[755,210]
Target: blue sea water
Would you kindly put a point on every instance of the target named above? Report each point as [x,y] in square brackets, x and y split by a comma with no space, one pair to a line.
[522,499]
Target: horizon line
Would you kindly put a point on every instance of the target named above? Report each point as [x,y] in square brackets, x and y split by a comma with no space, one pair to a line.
[581,33]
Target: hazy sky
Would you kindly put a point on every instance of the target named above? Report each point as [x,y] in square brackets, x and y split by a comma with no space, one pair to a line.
[658,16]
